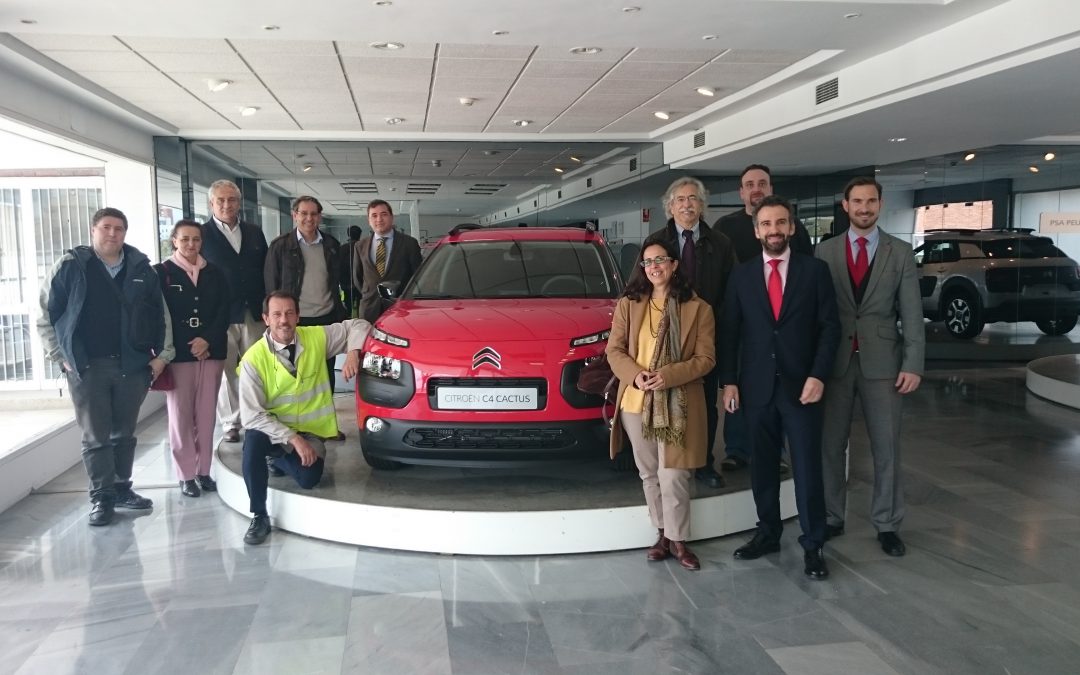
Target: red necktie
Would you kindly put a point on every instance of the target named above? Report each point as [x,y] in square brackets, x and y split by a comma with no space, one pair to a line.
[776,288]
[862,263]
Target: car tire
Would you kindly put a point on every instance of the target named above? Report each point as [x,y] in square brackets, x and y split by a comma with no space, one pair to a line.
[1058,325]
[962,313]
[380,464]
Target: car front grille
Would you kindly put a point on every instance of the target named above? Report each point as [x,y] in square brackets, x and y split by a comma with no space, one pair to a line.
[505,438]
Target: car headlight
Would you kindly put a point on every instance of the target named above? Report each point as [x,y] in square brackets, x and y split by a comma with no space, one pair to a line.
[383,336]
[591,339]
[379,365]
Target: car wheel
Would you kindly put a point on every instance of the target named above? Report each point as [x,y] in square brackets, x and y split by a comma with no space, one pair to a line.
[381,464]
[963,316]
[1058,325]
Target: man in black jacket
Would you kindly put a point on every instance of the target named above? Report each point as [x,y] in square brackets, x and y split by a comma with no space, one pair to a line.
[239,249]
[707,257]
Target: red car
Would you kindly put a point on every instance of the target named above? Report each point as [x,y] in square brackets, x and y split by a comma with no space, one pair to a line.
[476,362]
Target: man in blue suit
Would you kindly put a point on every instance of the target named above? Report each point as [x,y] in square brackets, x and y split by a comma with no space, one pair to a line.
[781,331]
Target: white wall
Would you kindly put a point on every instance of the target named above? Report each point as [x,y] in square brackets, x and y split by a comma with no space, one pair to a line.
[1027,207]
[898,214]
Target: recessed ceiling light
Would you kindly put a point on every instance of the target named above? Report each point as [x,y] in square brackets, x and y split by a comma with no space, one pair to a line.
[897,139]
[248,110]
[970,156]
[382,3]
[852,15]
[706,91]
[1049,156]
[271,27]
[631,10]
[28,22]
[386,45]
[585,50]
[1033,169]
[662,115]
[436,163]
[574,158]
[217,85]
[559,169]
[708,37]
[394,120]
[466,101]
[307,167]
[522,123]
[490,153]
[500,32]
[393,152]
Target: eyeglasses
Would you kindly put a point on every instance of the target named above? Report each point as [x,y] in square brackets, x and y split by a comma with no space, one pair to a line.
[682,199]
[658,260]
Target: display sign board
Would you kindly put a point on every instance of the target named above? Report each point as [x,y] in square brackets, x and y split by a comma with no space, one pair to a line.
[488,398]
[1059,223]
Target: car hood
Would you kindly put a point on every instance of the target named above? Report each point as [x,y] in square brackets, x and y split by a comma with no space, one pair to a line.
[528,319]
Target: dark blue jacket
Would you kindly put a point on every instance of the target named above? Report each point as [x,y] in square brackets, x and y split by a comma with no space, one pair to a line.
[243,270]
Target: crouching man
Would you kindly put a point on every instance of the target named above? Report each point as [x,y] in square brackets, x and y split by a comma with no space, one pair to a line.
[286,400]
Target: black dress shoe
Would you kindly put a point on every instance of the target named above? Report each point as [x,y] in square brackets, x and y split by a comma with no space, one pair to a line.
[206,483]
[258,531]
[272,468]
[891,544]
[101,512]
[189,488]
[340,436]
[832,531]
[733,463]
[231,436]
[708,475]
[129,499]
[755,548]
[815,564]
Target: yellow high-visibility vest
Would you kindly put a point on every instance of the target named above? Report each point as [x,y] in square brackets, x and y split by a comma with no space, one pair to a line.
[304,401]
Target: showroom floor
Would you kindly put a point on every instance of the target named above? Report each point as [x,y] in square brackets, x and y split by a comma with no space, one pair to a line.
[989,584]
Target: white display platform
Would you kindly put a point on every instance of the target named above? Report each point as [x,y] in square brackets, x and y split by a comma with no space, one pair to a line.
[1056,378]
[535,532]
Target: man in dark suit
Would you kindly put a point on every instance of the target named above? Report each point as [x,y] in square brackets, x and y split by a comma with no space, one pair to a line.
[877,286]
[239,249]
[707,259]
[781,330]
[386,254]
[755,184]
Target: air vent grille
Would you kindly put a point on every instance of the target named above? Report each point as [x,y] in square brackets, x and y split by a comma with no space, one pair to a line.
[347,206]
[827,91]
[422,188]
[588,182]
[366,188]
[699,139]
[485,188]
[633,164]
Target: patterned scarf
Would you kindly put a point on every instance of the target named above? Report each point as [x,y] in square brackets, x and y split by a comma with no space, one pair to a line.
[192,270]
[663,415]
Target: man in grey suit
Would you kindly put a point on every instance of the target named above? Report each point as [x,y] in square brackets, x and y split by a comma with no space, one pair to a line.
[384,255]
[877,286]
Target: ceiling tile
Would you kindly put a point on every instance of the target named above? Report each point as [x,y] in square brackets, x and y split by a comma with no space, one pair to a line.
[86,62]
[470,68]
[187,62]
[674,55]
[485,52]
[151,45]
[291,63]
[295,47]
[87,43]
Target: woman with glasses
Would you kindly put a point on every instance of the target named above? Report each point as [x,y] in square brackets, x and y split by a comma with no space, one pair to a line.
[197,296]
[661,345]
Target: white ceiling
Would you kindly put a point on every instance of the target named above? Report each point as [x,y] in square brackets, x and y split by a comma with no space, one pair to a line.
[322,92]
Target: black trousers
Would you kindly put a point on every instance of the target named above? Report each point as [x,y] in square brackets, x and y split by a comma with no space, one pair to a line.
[257,447]
[712,413]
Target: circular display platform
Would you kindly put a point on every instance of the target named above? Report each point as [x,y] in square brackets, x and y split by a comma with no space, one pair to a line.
[1056,378]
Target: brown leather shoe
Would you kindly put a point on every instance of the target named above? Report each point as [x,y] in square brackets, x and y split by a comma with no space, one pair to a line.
[659,550]
[684,555]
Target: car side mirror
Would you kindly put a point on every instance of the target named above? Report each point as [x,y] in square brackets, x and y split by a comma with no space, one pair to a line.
[388,290]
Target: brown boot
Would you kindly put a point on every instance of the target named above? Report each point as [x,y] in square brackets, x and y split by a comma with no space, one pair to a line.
[684,555]
[659,550]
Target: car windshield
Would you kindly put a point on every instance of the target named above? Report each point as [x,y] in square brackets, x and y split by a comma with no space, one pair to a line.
[516,269]
[1035,247]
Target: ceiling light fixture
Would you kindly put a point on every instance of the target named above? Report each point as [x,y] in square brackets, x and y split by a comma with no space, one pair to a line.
[897,139]
[248,110]
[217,85]
[662,115]
[393,152]
[436,163]
[391,46]
[522,123]
[852,15]
[970,156]
[706,91]
[585,50]
[500,32]
[1049,156]
[394,120]
[1033,169]
[559,169]
[466,101]
[575,159]
[307,167]
[28,22]
[631,10]
[708,37]
[271,27]
[382,3]
[490,153]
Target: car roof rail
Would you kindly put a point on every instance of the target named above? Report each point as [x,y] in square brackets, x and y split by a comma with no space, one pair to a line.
[465,227]
[955,230]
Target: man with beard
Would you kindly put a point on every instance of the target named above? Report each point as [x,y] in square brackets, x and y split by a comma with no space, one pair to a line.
[780,336]
[706,258]
[877,286]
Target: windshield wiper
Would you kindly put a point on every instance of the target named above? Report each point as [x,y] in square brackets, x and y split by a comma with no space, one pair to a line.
[437,296]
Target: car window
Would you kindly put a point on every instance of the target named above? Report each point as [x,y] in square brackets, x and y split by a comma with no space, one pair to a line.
[1033,247]
[970,249]
[940,252]
[516,269]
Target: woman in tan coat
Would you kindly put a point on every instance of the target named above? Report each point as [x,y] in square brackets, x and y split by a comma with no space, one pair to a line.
[661,345]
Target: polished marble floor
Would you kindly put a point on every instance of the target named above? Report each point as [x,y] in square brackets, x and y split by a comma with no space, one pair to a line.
[989,584]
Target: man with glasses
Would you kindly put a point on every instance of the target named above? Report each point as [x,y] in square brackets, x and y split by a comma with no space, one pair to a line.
[239,250]
[755,184]
[706,258]
[306,262]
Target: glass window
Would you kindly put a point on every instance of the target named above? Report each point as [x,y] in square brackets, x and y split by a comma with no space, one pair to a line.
[1036,247]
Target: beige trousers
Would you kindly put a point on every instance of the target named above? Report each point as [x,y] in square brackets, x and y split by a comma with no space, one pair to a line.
[667,491]
[240,336]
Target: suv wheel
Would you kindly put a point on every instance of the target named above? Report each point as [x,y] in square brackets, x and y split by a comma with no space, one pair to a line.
[963,316]
[380,463]
[1059,325]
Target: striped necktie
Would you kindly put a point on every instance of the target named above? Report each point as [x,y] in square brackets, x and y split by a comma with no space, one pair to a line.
[380,257]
